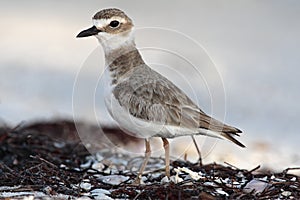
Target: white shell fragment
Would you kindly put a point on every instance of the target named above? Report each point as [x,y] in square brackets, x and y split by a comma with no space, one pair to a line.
[286,193]
[113,179]
[86,164]
[165,180]
[194,175]
[98,166]
[220,191]
[176,178]
[100,194]
[256,185]
[85,186]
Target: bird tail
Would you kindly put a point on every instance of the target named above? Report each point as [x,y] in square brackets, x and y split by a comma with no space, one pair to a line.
[232,139]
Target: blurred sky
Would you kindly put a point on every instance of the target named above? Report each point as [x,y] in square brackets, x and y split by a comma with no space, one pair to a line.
[254,44]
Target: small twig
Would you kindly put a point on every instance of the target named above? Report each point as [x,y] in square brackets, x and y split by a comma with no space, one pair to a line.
[43,160]
[231,165]
[6,167]
[33,167]
[254,169]
[290,168]
[18,126]
[185,156]
[138,195]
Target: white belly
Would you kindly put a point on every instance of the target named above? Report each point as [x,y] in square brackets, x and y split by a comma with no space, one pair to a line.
[143,129]
[132,125]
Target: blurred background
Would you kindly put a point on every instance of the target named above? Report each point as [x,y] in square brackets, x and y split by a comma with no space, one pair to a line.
[254,47]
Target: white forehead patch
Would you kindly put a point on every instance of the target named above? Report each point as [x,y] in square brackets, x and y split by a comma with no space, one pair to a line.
[100,23]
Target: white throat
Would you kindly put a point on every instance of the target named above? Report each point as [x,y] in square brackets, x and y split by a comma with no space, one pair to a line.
[111,42]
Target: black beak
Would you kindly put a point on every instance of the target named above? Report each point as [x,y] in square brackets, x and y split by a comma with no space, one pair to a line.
[88,32]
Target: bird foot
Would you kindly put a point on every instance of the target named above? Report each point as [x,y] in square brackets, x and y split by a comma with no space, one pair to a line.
[138,181]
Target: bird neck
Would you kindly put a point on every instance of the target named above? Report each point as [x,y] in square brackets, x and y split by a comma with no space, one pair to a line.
[121,60]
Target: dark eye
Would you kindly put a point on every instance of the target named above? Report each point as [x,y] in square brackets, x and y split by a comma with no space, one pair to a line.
[114,23]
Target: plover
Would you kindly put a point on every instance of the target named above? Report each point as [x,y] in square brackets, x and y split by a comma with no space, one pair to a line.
[142,101]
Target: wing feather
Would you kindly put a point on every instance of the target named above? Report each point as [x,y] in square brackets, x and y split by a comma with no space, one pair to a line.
[157,99]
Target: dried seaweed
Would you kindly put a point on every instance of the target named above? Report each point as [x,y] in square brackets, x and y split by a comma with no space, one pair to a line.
[46,158]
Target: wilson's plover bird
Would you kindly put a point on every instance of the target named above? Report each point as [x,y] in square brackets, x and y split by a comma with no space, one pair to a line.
[141,100]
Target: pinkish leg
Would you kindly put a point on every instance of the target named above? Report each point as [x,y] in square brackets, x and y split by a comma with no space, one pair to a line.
[147,156]
[167,156]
